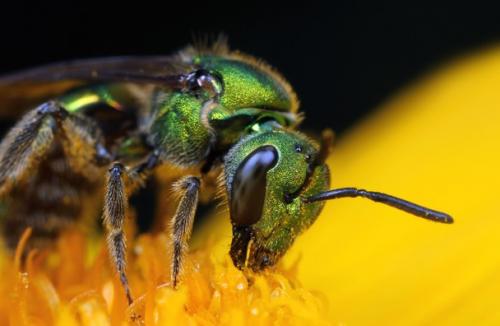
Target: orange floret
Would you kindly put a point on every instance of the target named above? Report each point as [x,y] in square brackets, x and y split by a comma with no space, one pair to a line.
[73,284]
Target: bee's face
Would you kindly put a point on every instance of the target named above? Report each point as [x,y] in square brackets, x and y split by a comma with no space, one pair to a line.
[267,177]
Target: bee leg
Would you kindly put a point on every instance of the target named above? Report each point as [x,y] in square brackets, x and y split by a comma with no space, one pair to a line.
[182,223]
[115,206]
[29,141]
[26,143]
[142,171]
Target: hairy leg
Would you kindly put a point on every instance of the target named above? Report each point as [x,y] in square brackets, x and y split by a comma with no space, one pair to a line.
[182,223]
[115,206]
[29,141]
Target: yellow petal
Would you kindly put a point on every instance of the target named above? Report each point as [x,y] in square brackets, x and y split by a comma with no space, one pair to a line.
[438,144]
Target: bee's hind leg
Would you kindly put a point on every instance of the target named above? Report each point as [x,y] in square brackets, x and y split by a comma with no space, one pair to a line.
[30,140]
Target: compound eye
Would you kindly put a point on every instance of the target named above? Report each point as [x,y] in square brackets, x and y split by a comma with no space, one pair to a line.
[210,83]
[248,189]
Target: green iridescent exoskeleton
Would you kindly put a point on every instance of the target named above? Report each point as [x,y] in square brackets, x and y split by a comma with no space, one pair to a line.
[191,124]
[283,215]
[100,128]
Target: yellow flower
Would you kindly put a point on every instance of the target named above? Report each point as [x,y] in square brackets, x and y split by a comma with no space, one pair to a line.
[437,143]
[361,263]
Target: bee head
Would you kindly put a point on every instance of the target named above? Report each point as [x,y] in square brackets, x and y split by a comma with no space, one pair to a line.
[267,175]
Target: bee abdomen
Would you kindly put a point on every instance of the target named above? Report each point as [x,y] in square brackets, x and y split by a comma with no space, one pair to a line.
[50,200]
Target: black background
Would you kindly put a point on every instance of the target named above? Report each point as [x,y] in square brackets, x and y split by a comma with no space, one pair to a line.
[343,58]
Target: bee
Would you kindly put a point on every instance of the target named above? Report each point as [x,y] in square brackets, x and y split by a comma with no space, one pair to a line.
[92,131]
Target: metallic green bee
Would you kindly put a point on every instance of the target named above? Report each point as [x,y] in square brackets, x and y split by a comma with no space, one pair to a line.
[213,113]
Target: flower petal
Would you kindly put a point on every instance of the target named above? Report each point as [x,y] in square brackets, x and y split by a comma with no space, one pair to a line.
[438,144]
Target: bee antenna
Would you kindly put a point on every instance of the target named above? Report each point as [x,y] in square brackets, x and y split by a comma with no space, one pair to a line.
[327,138]
[379,197]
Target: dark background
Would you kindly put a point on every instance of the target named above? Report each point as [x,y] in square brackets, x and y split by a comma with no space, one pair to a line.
[343,58]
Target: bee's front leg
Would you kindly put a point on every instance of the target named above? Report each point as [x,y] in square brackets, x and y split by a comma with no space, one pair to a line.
[182,223]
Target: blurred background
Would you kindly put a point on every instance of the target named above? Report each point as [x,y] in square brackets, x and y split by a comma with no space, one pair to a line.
[343,58]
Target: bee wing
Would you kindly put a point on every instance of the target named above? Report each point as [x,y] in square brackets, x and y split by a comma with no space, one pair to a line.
[21,90]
